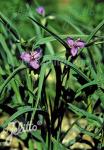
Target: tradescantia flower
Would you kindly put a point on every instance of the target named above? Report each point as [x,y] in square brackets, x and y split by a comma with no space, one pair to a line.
[75,45]
[40,10]
[32,58]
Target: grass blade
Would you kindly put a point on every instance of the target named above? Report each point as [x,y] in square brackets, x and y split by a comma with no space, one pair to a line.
[86,114]
[22,67]
[8,25]
[53,34]
[66,62]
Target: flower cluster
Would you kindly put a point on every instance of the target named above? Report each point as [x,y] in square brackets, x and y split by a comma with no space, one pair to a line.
[32,58]
[75,45]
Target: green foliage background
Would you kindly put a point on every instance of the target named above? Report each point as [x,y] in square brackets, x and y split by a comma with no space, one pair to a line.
[75,18]
[83,12]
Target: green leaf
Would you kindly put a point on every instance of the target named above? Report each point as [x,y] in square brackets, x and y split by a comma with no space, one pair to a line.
[87,85]
[57,144]
[51,39]
[66,62]
[83,130]
[7,51]
[100,93]
[93,33]
[99,26]
[8,25]
[31,144]
[69,21]
[41,80]
[41,144]
[80,112]
[51,33]
[22,67]
[21,111]
[40,85]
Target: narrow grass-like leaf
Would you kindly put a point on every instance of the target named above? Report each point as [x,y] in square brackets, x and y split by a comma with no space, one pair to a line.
[53,34]
[40,85]
[7,51]
[87,85]
[22,67]
[51,39]
[101,95]
[86,114]
[82,130]
[99,26]
[57,144]
[93,33]
[31,144]
[37,135]
[68,20]
[21,111]
[8,25]
[50,48]
[66,62]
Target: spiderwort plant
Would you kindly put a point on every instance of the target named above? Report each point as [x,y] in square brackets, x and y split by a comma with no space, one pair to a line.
[75,45]
[32,58]
[52,100]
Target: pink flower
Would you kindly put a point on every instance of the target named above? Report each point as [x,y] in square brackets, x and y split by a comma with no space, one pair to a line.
[32,58]
[75,45]
[25,56]
[40,10]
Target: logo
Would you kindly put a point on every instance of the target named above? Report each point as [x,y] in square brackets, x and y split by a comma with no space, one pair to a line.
[17,128]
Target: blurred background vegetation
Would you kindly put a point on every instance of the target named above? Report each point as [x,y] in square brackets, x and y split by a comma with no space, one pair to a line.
[81,12]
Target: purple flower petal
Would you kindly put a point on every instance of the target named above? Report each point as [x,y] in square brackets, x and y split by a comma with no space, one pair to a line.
[32,58]
[25,56]
[80,44]
[70,42]
[74,51]
[34,64]
[37,54]
[40,10]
